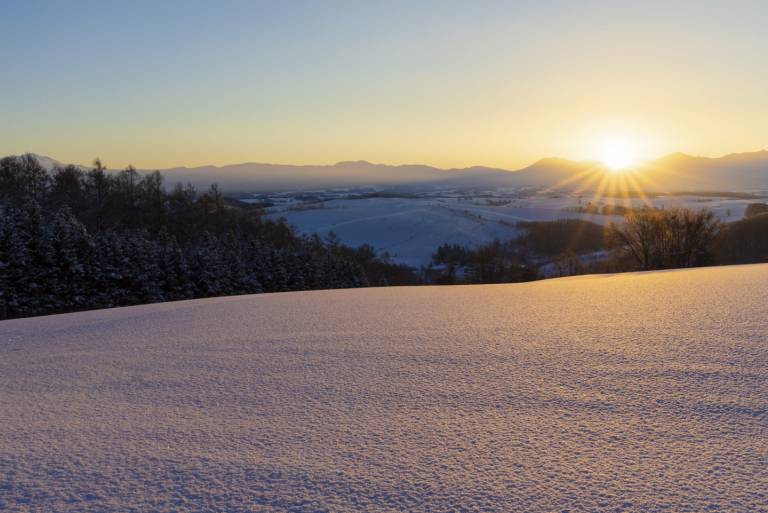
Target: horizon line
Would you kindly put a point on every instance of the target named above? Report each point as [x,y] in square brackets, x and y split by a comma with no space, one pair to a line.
[407,164]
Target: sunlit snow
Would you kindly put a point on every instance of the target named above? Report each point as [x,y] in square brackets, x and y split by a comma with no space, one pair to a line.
[637,392]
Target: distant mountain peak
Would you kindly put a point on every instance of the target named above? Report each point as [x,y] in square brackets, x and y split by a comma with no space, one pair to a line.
[759,154]
[48,163]
[674,160]
[348,163]
[552,161]
[675,171]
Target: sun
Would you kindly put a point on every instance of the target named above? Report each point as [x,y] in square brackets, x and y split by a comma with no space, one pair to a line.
[618,153]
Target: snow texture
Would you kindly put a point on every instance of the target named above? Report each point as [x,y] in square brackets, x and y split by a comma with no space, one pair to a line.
[637,392]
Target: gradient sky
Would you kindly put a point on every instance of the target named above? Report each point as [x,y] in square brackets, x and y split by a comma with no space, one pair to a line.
[497,83]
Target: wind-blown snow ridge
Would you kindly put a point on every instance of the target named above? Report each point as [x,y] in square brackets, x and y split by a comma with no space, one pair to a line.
[638,392]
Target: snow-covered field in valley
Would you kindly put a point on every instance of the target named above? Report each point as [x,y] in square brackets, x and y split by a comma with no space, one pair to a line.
[637,392]
[411,230]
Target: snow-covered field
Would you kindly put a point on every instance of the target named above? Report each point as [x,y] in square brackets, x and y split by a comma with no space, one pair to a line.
[410,230]
[636,392]
[726,209]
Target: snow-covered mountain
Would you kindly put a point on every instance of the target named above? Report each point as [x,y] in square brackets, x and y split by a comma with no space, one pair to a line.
[633,392]
[50,164]
[672,173]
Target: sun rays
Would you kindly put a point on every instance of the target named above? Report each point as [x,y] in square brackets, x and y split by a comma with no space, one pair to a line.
[602,184]
[616,176]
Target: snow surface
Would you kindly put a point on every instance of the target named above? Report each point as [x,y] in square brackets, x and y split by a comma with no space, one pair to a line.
[411,230]
[637,392]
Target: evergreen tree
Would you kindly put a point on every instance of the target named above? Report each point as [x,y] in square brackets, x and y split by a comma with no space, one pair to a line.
[72,240]
[71,249]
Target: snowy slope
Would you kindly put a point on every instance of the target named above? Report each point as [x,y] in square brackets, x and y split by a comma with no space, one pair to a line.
[638,392]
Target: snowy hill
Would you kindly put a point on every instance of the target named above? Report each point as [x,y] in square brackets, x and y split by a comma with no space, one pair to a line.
[49,164]
[636,392]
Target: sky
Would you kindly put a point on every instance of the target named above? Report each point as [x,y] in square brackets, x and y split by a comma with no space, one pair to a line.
[446,83]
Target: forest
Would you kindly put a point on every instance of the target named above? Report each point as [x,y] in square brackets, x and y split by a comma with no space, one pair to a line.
[75,239]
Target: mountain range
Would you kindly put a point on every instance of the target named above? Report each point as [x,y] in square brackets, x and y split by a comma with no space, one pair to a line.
[674,172]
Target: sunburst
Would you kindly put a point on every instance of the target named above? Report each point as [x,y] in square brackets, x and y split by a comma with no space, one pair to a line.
[618,153]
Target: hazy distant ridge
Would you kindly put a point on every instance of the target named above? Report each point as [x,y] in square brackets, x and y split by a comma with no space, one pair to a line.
[673,172]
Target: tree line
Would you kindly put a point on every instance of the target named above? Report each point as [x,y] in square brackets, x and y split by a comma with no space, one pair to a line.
[647,239]
[679,237]
[495,262]
[75,239]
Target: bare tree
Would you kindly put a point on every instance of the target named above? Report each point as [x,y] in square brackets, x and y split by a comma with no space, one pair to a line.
[662,239]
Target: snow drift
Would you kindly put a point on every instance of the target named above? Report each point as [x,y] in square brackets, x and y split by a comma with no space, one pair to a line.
[637,392]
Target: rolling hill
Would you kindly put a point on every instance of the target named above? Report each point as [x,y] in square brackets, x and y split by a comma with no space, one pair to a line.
[634,392]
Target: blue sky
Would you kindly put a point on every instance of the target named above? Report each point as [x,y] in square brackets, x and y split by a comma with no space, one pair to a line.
[445,83]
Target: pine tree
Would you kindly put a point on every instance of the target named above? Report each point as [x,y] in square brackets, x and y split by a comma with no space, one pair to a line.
[71,249]
[96,190]
[14,260]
